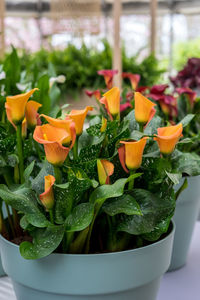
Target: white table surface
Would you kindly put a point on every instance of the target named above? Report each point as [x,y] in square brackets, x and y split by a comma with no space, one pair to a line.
[183,284]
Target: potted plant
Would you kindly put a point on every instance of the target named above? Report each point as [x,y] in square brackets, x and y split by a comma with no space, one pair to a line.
[91,209]
[173,107]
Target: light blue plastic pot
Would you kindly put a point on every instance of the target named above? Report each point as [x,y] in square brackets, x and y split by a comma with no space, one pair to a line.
[128,275]
[2,273]
[186,213]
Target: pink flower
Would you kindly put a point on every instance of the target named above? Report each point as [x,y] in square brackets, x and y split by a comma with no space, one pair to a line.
[108,77]
[124,106]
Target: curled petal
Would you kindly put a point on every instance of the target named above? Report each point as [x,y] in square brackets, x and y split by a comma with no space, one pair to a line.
[113,101]
[47,198]
[105,170]
[133,153]
[104,101]
[56,153]
[108,77]
[96,93]
[121,152]
[64,124]
[17,105]
[152,114]
[31,113]
[78,116]
[24,128]
[134,79]
[168,137]
[143,108]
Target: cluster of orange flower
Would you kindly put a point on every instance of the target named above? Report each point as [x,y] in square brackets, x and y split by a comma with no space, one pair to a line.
[59,136]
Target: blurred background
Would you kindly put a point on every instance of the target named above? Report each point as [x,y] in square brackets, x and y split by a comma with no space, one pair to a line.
[76,38]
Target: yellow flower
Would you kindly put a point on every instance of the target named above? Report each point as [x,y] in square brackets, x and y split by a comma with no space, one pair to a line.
[15,106]
[68,125]
[31,113]
[105,170]
[144,109]
[52,138]
[111,100]
[133,152]
[78,116]
[168,137]
[47,198]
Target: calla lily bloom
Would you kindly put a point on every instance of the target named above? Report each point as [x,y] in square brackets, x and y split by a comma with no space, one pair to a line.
[130,154]
[24,128]
[31,113]
[111,100]
[134,79]
[96,94]
[15,106]
[108,77]
[105,170]
[78,116]
[144,109]
[47,198]
[124,106]
[68,125]
[104,124]
[190,93]
[167,138]
[52,138]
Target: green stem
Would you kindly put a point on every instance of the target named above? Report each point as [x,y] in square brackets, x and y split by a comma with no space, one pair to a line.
[51,216]
[141,126]
[75,149]
[131,182]
[37,148]
[10,221]
[87,247]
[58,175]
[7,179]
[20,152]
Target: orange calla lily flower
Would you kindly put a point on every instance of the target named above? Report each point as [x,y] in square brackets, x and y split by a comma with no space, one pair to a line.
[47,198]
[111,100]
[108,76]
[31,113]
[68,125]
[105,170]
[104,124]
[24,128]
[15,106]
[130,154]
[144,109]
[52,138]
[78,116]
[168,137]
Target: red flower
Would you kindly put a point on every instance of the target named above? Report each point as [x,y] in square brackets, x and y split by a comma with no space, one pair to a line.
[134,79]
[108,77]
[96,93]
[190,93]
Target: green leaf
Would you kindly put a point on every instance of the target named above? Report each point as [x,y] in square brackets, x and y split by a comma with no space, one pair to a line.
[2,162]
[136,135]
[63,195]
[28,171]
[38,182]
[186,141]
[160,229]
[100,194]
[187,163]
[154,207]
[155,123]
[80,218]
[125,204]
[181,189]
[45,241]
[187,119]
[133,125]
[175,178]
[24,200]
[12,160]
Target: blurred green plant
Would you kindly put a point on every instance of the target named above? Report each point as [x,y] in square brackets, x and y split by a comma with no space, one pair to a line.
[80,66]
[182,51]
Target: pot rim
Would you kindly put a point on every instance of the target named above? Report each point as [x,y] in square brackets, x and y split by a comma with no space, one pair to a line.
[168,235]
